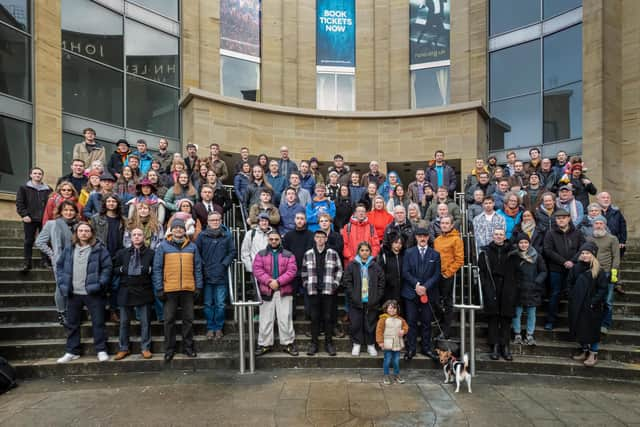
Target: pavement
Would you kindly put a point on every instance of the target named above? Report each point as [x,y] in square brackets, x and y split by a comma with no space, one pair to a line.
[318,397]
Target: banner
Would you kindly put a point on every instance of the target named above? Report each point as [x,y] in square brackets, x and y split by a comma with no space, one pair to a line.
[240,26]
[429,26]
[336,33]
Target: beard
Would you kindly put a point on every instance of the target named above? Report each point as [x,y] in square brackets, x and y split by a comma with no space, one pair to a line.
[599,233]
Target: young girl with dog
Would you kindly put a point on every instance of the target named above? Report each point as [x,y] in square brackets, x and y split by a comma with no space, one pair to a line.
[390,330]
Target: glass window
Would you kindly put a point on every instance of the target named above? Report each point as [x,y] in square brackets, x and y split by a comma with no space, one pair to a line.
[508,15]
[165,7]
[151,53]
[335,92]
[92,31]
[430,87]
[555,7]
[521,118]
[91,90]
[15,63]
[240,78]
[429,27]
[152,107]
[562,116]
[563,57]
[15,153]
[515,70]
[16,13]
[71,139]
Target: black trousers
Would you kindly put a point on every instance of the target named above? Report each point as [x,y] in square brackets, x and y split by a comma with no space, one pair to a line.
[416,311]
[30,231]
[95,304]
[183,299]
[446,298]
[499,329]
[363,324]
[321,310]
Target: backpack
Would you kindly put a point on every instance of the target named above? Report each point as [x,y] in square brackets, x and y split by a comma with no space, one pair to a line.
[7,376]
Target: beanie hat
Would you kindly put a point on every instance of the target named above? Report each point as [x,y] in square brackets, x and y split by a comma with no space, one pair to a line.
[522,236]
[599,218]
[178,223]
[589,247]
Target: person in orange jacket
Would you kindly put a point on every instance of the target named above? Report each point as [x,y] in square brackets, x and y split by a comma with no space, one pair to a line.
[449,246]
[379,217]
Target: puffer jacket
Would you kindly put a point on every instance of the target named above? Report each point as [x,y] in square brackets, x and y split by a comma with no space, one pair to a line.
[31,200]
[355,232]
[177,268]
[530,277]
[388,330]
[380,218]
[217,254]
[352,282]
[263,272]
[406,230]
[98,270]
[451,250]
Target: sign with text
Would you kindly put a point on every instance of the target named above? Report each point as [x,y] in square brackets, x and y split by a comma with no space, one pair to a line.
[336,33]
[429,27]
[240,26]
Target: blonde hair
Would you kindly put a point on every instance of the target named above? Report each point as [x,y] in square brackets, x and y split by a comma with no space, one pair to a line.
[136,222]
[595,266]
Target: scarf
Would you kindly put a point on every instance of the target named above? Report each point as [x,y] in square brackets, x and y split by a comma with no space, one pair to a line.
[214,232]
[151,199]
[530,256]
[364,276]
[511,212]
[528,227]
[148,232]
[571,207]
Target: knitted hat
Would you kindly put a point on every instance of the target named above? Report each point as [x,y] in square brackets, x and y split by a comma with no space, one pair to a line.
[178,223]
[600,218]
[590,247]
[94,172]
[522,236]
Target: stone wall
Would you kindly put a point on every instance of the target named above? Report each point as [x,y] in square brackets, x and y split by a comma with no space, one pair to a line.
[387,136]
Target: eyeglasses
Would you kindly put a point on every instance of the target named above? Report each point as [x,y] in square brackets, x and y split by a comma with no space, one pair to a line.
[66,189]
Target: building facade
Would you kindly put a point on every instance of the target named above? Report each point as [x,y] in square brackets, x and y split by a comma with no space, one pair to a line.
[392,80]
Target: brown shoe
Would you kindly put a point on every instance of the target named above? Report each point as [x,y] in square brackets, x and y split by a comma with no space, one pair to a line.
[219,335]
[209,335]
[121,355]
[345,318]
[147,354]
[580,357]
[591,360]
[113,317]
[619,289]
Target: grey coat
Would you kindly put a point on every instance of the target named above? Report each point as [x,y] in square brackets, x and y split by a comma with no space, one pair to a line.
[54,237]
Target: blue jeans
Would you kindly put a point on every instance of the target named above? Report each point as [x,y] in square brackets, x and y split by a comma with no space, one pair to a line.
[389,357]
[591,347]
[144,311]
[215,296]
[95,304]
[607,319]
[113,298]
[158,306]
[531,320]
[558,284]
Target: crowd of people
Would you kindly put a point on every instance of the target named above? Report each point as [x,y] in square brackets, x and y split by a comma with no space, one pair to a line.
[140,235]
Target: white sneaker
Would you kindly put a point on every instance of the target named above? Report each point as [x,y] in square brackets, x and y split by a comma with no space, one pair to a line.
[68,357]
[371,349]
[103,356]
[355,351]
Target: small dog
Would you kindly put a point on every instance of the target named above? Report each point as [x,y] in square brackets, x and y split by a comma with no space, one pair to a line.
[455,369]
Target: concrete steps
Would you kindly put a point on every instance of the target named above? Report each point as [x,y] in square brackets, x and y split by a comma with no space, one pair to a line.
[32,340]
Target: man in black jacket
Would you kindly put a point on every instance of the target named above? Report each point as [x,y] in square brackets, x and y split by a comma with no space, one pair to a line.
[298,242]
[133,265]
[440,174]
[561,249]
[31,199]
[76,177]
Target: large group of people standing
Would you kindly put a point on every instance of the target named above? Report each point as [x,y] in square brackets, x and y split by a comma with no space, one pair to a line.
[141,234]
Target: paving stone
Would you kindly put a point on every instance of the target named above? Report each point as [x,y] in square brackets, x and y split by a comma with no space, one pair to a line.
[365,391]
[402,419]
[406,397]
[321,418]
[589,419]
[331,396]
[444,408]
[368,408]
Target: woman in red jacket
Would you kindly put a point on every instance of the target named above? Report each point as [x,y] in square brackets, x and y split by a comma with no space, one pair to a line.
[379,216]
[64,191]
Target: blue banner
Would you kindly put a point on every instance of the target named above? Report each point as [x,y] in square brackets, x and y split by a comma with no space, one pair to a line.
[336,33]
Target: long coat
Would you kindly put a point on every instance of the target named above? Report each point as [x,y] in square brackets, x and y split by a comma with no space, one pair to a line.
[586,303]
[497,273]
[352,282]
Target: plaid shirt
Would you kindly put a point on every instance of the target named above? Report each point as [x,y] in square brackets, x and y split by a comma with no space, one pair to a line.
[332,272]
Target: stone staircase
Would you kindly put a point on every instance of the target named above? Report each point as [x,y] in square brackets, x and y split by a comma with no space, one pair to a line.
[32,340]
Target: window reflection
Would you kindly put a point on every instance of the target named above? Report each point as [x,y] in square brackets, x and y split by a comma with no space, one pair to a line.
[92,31]
[555,7]
[91,90]
[505,15]
[15,63]
[165,7]
[15,153]
[522,118]
[240,78]
[15,13]
[151,53]
[563,113]
[563,57]
[152,107]
[515,70]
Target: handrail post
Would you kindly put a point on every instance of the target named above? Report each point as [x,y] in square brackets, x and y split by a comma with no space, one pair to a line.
[252,354]
[241,338]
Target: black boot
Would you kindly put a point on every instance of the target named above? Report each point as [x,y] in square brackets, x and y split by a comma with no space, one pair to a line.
[506,353]
[26,266]
[495,355]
